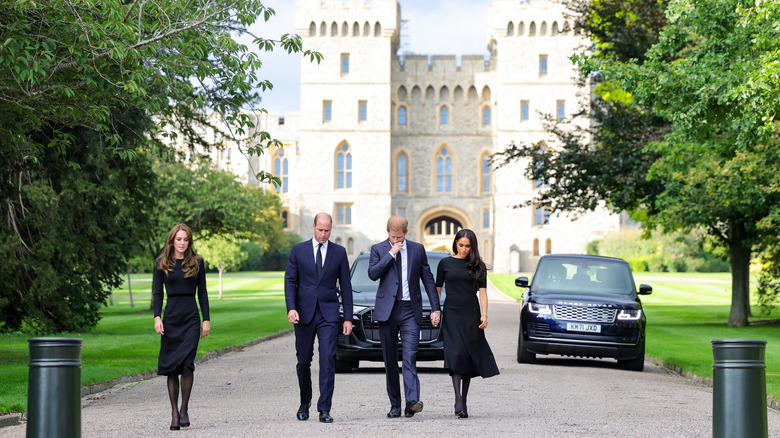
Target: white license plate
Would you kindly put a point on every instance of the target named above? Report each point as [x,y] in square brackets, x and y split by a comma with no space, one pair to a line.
[579,327]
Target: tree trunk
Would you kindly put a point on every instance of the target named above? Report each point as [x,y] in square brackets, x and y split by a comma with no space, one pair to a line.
[220,282]
[110,296]
[739,255]
[130,289]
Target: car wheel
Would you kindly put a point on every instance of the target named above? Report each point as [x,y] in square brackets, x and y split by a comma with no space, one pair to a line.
[636,364]
[523,355]
[346,366]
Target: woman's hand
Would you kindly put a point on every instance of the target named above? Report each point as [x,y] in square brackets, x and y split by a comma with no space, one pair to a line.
[158,326]
[205,328]
[483,325]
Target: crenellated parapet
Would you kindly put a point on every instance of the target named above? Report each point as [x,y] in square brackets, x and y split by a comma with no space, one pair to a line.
[350,19]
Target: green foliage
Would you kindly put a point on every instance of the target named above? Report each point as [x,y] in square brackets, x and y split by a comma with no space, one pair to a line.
[659,252]
[222,253]
[86,90]
[768,290]
[272,259]
[66,64]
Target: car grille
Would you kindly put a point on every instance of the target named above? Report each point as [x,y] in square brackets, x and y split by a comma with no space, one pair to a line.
[371,327]
[587,314]
[539,329]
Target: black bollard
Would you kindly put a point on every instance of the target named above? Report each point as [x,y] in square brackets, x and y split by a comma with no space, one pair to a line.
[54,388]
[739,388]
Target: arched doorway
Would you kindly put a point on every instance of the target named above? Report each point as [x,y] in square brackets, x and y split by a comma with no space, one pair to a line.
[439,233]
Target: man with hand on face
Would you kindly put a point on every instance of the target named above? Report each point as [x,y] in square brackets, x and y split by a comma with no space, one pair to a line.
[312,300]
[399,265]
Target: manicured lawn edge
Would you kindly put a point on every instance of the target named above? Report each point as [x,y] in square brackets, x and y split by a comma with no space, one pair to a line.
[96,388]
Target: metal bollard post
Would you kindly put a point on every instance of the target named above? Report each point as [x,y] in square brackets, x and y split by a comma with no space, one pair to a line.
[54,388]
[739,388]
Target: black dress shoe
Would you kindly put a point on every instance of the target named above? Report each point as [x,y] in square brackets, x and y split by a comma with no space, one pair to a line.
[413,407]
[325,417]
[303,411]
[395,412]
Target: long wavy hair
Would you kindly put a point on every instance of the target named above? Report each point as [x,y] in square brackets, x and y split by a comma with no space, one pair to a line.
[474,264]
[166,260]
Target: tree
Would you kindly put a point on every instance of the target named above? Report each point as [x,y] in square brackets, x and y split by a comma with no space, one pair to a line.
[714,76]
[709,88]
[84,86]
[222,253]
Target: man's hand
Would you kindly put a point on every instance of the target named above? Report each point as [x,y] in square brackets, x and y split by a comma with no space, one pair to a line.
[347,327]
[397,248]
[435,318]
[293,317]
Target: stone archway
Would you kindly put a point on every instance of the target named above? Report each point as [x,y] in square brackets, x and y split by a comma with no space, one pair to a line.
[438,227]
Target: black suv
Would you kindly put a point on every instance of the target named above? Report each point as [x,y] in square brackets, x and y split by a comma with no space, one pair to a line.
[363,343]
[584,306]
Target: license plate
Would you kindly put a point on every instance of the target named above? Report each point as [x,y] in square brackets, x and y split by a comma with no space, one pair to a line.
[579,327]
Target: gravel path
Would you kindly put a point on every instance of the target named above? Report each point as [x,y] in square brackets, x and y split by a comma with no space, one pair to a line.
[254,393]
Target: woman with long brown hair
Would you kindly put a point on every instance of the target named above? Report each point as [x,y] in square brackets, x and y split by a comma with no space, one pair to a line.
[466,351]
[183,273]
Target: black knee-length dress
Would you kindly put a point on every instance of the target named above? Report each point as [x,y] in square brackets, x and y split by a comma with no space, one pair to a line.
[466,350]
[181,322]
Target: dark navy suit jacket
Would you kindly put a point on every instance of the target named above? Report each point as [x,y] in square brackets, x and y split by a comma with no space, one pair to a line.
[381,266]
[303,291]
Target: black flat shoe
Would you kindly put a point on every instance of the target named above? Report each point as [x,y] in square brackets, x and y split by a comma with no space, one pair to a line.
[175,427]
[303,412]
[395,412]
[187,424]
[325,417]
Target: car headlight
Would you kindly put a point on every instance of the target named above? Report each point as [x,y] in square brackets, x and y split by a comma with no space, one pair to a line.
[629,314]
[542,309]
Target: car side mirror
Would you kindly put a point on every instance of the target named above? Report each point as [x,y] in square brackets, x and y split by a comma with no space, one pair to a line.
[645,289]
[521,281]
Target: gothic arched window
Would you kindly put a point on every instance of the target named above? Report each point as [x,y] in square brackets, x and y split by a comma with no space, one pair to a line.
[343,167]
[444,171]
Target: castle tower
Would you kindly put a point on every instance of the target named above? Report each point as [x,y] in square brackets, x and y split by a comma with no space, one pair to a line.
[531,42]
[343,154]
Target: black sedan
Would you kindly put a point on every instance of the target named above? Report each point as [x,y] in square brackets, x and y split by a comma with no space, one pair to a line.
[582,306]
[363,343]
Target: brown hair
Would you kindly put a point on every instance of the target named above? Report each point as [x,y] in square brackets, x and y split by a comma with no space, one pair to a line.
[397,223]
[166,260]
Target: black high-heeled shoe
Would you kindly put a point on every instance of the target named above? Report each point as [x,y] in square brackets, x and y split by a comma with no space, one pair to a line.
[175,427]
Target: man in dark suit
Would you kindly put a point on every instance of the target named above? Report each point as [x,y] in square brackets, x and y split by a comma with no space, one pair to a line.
[400,264]
[313,306]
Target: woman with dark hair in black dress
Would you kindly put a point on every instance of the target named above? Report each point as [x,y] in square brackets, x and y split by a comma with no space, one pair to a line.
[466,351]
[183,274]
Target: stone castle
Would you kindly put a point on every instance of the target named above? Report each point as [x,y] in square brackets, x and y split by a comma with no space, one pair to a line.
[381,134]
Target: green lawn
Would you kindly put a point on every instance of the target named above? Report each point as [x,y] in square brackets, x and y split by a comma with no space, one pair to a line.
[124,342]
[685,313]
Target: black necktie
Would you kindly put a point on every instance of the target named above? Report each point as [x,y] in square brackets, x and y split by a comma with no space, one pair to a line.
[398,268]
[319,259]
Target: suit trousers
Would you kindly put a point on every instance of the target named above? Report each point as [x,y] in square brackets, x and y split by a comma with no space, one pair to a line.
[401,319]
[327,336]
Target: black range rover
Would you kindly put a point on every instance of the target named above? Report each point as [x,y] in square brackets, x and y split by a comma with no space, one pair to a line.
[584,306]
[363,343]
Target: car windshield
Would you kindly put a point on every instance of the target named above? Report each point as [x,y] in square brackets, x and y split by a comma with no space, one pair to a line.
[361,282]
[582,275]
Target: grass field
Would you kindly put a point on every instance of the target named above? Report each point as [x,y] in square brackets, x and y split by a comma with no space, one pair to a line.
[685,313]
[124,342]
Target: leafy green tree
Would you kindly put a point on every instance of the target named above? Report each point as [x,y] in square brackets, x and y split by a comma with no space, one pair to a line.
[708,91]
[83,86]
[222,253]
[714,76]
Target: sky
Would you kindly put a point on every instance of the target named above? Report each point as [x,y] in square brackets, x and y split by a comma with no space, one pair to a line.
[434,27]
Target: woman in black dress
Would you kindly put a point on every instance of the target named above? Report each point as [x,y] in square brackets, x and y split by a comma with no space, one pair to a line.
[466,351]
[183,273]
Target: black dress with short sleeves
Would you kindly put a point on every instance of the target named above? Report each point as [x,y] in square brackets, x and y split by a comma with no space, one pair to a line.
[181,322]
[466,350]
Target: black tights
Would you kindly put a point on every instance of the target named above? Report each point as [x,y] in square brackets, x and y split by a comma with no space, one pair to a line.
[461,385]
[180,415]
